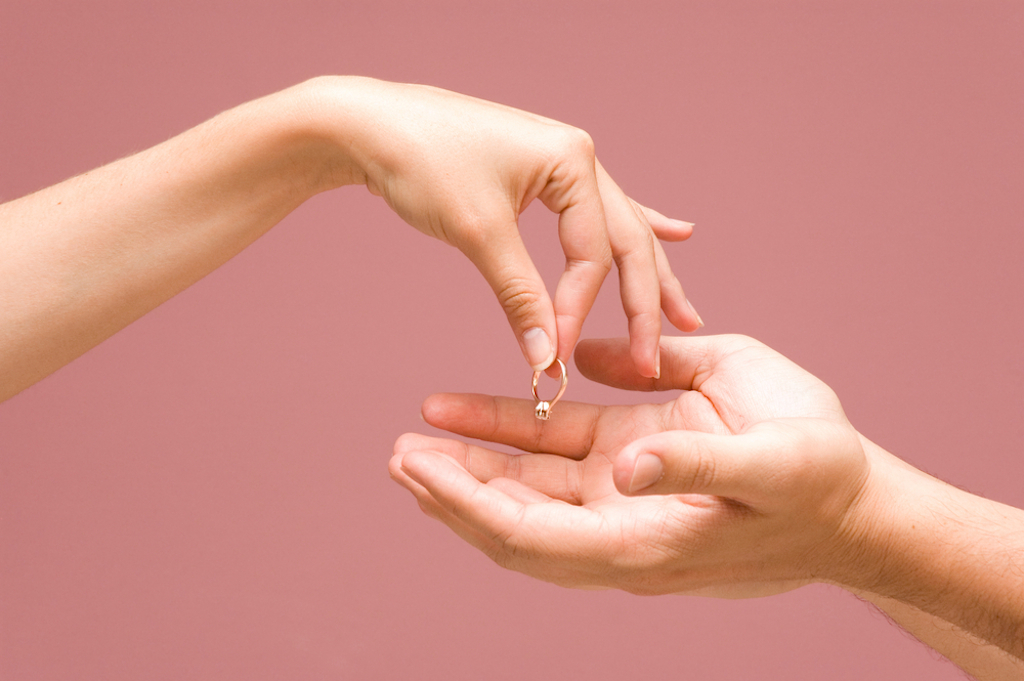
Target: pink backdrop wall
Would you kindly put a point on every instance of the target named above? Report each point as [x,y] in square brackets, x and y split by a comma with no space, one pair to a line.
[205,495]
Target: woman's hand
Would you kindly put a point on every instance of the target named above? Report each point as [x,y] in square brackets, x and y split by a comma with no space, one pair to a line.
[745,485]
[92,254]
[462,170]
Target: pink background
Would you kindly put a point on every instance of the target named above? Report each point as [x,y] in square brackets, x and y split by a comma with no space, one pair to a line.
[205,495]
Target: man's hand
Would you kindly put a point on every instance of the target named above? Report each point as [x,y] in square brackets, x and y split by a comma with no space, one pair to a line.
[741,486]
[749,483]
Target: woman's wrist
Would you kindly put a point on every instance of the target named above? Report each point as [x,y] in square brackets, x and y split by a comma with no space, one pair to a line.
[309,138]
[344,119]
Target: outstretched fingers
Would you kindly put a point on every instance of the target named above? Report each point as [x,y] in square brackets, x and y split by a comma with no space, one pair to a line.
[516,527]
[502,525]
[552,477]
[569,432]
[431,507]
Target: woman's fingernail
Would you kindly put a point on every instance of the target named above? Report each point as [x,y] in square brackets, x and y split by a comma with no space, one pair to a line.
[646,471]
[657,362]
[539,352]
[699,320]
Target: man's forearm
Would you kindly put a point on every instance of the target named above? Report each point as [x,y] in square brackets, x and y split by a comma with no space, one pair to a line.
[954,558]
[82,259]
[979,658]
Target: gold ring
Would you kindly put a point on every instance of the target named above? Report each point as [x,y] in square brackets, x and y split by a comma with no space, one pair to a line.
[543,409]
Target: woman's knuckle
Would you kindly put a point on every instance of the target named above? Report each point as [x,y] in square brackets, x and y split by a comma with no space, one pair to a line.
[578,142]
[517,298]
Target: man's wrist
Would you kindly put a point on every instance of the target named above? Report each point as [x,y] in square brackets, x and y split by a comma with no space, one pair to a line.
[864,539]
[890,530]
[948,553]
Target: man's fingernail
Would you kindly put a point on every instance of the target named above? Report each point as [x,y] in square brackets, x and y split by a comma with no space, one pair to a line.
[657,362]
[699,320]
[539,352]
[646,471]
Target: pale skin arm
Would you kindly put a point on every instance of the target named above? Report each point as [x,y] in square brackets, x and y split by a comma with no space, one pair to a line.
[82,259]
[749,483]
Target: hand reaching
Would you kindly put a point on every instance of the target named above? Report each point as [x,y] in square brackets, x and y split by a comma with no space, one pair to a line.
[462,170]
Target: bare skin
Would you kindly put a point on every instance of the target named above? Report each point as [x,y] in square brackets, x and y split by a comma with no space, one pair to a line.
[749,483]
[86,257]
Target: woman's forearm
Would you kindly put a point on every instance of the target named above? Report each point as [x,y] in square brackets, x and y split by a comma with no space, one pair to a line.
[82,259]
